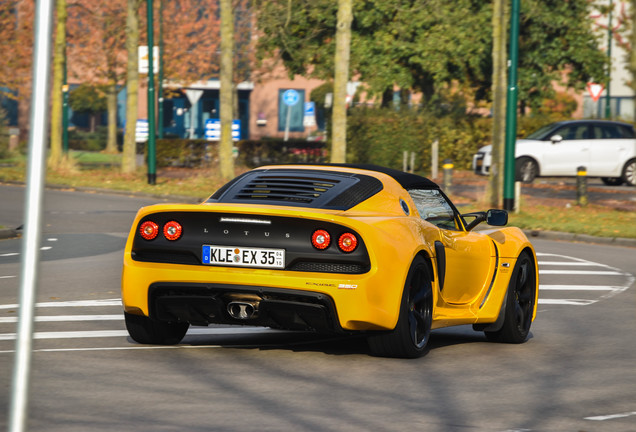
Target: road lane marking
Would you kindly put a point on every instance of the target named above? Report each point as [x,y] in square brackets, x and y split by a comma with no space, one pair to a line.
[581,272]
[611,416]
[9,254]
[7,277]
[569,263]
[67,318]
[579,288]
[72,303]
[570,302]
[124,333]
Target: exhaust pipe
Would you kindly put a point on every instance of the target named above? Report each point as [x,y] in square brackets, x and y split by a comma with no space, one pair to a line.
[242,310]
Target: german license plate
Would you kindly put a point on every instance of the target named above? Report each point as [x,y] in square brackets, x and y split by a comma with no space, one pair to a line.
[243,256]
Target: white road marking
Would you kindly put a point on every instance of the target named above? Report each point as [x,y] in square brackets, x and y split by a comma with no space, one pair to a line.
[67,318]
[579,288]
[124,333]
[9,254]
[581,272]
[571,302]
[72,303]
[568,263]
[611,416]
[7,277]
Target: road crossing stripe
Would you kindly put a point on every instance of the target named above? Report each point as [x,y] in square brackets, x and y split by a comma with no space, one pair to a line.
[124,333]
[73,303]
[572,302]
[569,263]
[6,277]
[580,272]
[580,288]
[67,318]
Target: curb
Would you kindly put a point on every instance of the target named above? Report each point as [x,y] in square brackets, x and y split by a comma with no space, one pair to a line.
[581,238]
[7,233]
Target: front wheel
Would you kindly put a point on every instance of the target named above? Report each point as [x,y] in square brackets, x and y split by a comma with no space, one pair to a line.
[526,170]
[520,301]
[410,337]
[629,173]
[146,330]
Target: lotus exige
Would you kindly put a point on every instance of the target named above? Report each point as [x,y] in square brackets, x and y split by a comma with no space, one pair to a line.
[352,249]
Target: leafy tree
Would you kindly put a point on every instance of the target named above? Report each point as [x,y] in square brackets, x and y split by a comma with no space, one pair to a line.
[88,99]
[429,45]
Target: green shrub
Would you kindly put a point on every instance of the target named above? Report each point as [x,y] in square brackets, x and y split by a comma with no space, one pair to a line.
[185,152]
[253,153]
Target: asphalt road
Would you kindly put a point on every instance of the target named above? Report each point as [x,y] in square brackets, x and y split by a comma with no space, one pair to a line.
[575,373]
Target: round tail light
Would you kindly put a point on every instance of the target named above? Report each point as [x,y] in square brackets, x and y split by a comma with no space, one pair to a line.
[347,242]
[149,230]
[172,230]
[320,239]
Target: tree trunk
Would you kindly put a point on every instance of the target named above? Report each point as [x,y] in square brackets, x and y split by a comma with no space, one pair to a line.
[111,104]
[128,162]
[499,60]
[341,76]
[632,52]
[226,158]
[59,60]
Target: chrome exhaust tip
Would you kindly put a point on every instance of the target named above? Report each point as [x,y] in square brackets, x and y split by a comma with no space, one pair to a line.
[242,310]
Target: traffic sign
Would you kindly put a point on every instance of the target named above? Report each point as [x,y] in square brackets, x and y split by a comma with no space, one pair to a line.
[213,130]
[595,90]
[309,119]
[291,97]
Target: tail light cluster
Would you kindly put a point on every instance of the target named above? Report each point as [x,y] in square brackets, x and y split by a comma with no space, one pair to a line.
[171,230]
[347,242]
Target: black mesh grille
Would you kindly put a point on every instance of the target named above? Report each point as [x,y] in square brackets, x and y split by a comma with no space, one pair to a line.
[328,268]
[285,188]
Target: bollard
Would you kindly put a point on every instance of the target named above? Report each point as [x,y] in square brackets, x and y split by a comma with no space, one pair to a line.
[447,167]
[581,186]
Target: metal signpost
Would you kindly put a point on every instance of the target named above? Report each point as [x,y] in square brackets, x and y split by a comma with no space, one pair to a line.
[18,410]
[290,98]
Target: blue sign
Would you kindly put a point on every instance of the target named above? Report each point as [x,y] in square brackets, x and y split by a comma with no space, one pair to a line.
[213,130]
[290,97]
[141,130]
[309,119]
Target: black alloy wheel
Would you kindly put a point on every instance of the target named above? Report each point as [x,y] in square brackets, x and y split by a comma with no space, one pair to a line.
[410,337]
[520,301]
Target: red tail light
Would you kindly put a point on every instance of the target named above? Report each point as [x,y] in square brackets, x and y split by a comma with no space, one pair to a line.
[172,230]
[320,239]
[149,230]
[347,242]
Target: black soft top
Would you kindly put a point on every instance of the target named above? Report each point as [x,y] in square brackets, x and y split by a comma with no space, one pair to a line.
[291,185]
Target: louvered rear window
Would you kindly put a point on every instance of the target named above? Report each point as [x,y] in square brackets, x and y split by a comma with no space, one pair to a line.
[305,188]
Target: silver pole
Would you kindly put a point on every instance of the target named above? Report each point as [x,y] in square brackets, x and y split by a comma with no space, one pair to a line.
[18,410]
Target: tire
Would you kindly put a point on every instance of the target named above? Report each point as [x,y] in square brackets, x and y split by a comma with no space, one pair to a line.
[629,173]
[410,337]
[149,331]
[526,169]
[612,181]
[520,301]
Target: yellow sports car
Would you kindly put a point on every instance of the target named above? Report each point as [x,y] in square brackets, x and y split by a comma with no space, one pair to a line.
[335,248]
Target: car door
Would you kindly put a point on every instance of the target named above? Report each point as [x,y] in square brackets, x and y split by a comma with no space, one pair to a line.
[465,260]
[563,157]
[607,150]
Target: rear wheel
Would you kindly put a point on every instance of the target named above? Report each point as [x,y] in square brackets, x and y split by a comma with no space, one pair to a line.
[526,170]
[520,302]
[149,331]
[612,181]
[629,173]
[410,337]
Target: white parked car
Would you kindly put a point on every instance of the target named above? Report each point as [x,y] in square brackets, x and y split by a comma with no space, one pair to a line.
[607,149]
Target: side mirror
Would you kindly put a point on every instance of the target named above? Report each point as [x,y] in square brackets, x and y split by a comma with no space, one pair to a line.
[497,217]
[492,217]
[556,139]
